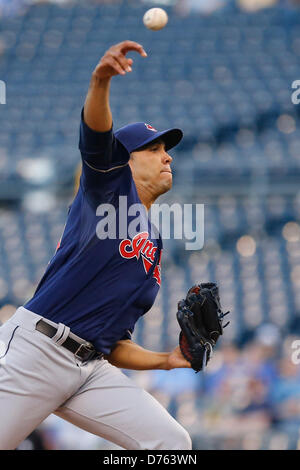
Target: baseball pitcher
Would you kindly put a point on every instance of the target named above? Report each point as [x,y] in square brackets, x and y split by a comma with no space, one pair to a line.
[65,347]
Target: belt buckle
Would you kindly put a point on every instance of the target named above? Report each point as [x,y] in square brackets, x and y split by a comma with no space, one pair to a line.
[86,350]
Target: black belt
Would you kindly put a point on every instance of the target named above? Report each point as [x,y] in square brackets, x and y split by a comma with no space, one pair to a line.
[82,351]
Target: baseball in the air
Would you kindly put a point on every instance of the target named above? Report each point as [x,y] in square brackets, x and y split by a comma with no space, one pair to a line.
[155,19]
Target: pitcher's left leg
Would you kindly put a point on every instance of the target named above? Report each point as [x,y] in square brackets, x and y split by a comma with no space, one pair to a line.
[112,406]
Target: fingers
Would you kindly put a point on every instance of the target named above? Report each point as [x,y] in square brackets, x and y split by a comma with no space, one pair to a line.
[115,65]
[127,46]
[122,61]
[119,51]
[115,62]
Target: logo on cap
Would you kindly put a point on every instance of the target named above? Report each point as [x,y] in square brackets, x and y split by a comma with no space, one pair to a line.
[150,128]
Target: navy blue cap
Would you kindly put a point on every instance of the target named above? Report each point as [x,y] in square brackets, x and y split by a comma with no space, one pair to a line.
[136,135]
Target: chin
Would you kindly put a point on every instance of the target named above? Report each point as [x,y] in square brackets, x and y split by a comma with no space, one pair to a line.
[166,185]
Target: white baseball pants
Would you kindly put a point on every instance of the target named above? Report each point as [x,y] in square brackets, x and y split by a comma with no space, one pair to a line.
[38,377]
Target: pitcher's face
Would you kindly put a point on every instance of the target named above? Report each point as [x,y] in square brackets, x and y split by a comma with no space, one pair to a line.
[151,166]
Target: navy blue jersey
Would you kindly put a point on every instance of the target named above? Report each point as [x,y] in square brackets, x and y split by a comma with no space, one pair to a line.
[100,287]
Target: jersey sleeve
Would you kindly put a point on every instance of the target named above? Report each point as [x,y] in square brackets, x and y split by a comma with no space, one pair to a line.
[128,334]
[100,151]
[105,172]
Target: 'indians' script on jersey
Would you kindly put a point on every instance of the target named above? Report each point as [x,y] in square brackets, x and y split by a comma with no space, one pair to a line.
[141,246]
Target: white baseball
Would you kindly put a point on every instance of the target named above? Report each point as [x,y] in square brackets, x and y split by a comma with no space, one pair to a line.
[155,19]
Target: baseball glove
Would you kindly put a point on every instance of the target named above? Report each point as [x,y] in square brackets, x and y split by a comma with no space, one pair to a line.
[200,318]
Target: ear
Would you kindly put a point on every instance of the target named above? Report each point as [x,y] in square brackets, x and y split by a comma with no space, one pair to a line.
[130,161]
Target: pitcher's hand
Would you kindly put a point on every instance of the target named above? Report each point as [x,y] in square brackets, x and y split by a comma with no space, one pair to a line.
[114,61]
[176,360]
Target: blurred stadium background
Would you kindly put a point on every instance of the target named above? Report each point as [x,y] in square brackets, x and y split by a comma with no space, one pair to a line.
[222,71]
